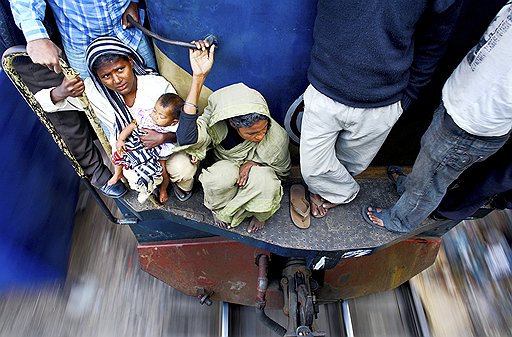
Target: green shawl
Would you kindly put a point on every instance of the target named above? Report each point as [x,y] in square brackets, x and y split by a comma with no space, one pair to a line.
[237,100]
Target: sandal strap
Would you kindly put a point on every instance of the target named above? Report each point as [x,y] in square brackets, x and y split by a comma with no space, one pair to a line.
[303,214]
[318,204]
[395,170]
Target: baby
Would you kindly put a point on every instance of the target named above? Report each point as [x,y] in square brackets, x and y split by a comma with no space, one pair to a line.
[164,117]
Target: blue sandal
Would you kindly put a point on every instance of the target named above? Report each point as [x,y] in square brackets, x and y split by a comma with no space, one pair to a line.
[393,169]
[379,215]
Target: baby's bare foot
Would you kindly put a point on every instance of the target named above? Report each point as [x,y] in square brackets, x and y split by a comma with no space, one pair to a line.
[164,196]
[115,178]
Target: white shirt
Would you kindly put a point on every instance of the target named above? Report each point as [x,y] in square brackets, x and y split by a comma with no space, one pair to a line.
[149,89]
[478,94]
[143,118]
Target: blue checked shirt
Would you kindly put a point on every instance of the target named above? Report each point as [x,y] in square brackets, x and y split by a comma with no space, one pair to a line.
[79,21]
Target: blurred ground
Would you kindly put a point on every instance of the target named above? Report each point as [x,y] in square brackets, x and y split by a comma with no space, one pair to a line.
[468,292]
[105,295]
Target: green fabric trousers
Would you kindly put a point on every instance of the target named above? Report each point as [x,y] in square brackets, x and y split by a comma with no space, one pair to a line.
[231,204]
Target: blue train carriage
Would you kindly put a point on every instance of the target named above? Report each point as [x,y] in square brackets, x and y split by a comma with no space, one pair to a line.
[338,257]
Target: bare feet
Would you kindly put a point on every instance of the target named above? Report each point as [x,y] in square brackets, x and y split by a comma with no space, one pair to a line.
[163,197]
[115,178]
[319,206]
[255,225]
[218,222]
[373,218]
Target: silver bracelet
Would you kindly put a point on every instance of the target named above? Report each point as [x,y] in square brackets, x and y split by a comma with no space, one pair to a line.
[191,104]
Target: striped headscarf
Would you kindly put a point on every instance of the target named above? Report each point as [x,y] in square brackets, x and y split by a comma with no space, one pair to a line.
[143,161]
[113,46]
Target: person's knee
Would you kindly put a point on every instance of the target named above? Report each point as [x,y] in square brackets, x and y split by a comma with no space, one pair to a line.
[180,168]
[222,174]
[266,176]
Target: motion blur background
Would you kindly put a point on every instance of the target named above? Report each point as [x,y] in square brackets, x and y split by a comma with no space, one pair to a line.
[67,271]
[467,292]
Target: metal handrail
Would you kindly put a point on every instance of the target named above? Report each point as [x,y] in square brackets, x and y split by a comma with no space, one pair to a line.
[7,64]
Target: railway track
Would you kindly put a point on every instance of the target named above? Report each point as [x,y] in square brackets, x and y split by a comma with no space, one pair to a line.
[394,313]
[125,301]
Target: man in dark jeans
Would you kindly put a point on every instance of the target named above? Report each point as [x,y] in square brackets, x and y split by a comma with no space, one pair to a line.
[72,125]
[473,121]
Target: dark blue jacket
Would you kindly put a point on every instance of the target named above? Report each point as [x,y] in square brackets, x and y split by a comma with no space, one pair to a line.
[372,53]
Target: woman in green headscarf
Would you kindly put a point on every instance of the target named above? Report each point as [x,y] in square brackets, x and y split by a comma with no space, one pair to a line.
[251,154]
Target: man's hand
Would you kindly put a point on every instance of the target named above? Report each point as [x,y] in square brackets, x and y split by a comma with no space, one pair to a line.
[243,175]
[153,138]
[201,60]
[133,10]
[45,52]
[68,88]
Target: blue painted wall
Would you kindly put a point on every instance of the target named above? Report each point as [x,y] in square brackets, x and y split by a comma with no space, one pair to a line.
[37,198]
[265,44]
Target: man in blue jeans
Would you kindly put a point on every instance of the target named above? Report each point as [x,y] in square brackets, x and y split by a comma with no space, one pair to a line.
[486,182]
[472,122]
[79,23]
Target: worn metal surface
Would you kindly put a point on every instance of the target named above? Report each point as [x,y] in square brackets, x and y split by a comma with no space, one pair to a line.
[381,271]
[223,268]
[226,270]
[342,229]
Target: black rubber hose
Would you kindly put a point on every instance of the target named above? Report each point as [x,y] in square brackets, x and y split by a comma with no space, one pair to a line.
[262,262]
[269,322]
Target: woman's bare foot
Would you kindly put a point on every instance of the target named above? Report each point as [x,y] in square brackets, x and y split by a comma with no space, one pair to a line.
[255,225]
[115,178]
[163,195]
[218,222]
[319,206]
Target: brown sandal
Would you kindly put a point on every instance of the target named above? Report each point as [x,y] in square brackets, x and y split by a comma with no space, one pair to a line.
[299,207]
